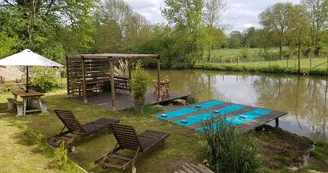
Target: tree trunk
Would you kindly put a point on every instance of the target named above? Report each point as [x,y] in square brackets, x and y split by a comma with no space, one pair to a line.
[209,55]
[280,51]
[299,56]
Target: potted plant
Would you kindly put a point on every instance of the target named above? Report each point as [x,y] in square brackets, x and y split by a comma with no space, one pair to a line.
[139,84]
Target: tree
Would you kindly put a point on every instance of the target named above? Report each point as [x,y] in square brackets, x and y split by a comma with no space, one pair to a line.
[119,29]
[41,24]
[300,30]
[185,17]
[7,44]
[214,39]
[249,37]
[235,39]
[277,19]
[213,10]
[318,13]
[262,38]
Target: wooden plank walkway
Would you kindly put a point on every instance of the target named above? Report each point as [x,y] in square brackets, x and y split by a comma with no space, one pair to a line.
[192,168]
[124,100]
[247,125]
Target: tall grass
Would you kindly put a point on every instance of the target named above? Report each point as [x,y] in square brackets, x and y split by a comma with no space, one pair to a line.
[230,150]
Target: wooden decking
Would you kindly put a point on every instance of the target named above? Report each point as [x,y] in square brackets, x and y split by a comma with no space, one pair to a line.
[192,168]
[123,99]
[247,125]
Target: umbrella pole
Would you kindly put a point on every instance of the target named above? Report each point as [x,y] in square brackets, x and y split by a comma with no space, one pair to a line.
[26,79]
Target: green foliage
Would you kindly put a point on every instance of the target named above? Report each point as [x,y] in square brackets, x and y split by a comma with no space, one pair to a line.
[268,54]
[139,83]
[230,149]
[8,44]
[278,20]
[187,24]
[192,100]
[61,156]
[244,53]
[8,87]
[235,39]
[147,111]
[55,52]
[42,25]
[44,79]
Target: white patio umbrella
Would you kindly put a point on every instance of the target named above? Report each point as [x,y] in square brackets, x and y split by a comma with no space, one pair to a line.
[28,58]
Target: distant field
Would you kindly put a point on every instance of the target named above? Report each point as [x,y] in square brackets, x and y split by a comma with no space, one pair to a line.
[235,53]
[230,57]
[305,63]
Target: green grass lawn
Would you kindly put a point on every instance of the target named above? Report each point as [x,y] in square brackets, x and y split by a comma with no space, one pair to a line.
[183,145]
[235,53]
[305,63]
[18,154]
[232,53]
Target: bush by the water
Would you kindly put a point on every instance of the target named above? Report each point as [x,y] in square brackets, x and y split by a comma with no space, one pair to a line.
[44,79]
[230,149]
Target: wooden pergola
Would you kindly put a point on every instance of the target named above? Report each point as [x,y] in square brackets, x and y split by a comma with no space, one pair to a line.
[85,70]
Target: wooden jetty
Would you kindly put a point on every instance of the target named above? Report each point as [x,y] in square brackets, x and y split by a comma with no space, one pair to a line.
[247,125]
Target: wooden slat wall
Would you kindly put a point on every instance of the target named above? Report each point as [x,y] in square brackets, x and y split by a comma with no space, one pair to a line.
[96,73]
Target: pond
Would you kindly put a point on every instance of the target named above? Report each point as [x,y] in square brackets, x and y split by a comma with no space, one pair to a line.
[304,97]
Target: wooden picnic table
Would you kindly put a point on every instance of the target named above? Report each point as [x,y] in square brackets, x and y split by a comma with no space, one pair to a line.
[27,98]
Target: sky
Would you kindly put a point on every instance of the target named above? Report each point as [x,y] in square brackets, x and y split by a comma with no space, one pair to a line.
[240,15]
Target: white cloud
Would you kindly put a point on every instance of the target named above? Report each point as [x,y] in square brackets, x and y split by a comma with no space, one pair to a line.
[240,15]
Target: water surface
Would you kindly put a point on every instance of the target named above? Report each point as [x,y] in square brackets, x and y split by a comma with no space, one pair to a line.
[304,98]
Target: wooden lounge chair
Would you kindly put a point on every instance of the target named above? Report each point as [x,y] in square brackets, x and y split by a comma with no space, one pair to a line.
[74,128]
[128,139]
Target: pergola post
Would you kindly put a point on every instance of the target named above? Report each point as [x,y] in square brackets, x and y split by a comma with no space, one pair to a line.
[158,79]
[67,79]
[129,69]
[85,95]
[111,67]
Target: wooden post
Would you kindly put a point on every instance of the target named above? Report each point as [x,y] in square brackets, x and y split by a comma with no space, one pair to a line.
[287,62]
[238,61]
[67,79]
[129,68]
[85,97]
[277,122]
[158,79]
[310,63]
[111,67]
[26,79]
[130,71]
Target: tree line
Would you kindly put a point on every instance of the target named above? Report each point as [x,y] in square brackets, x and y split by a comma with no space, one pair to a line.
[55,28]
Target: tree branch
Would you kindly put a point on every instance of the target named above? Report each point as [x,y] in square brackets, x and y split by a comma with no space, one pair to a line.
[49,6]
[9,3]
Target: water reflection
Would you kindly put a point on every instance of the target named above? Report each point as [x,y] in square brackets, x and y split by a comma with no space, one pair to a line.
[304,98]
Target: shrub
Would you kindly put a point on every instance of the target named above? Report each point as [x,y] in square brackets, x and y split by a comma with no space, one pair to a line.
[61,156]
[230,149]
[139,83]
[192,99]
[318,72]
[244,53]
[44,80]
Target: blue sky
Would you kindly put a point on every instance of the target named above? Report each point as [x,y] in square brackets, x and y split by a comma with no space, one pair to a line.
[240,15]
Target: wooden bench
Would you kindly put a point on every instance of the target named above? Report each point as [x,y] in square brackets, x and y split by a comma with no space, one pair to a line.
[43,102]
[15,104]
